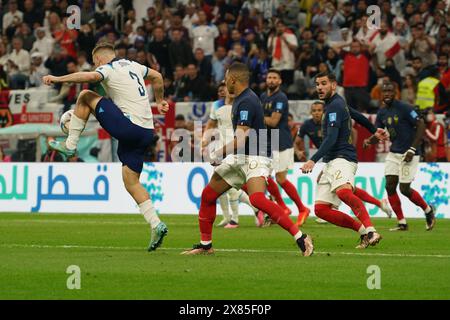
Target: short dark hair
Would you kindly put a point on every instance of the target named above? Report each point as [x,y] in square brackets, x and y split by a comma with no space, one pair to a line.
[330,75]
[240,71]
[274,71]
[417,58]
[103,46]
[180,117]
[318,102]
[221,84]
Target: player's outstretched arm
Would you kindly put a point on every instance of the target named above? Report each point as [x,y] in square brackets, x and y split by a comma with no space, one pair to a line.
[362,120]
[77,77]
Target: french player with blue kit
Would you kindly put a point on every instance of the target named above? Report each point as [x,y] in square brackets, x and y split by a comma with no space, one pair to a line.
[126,115]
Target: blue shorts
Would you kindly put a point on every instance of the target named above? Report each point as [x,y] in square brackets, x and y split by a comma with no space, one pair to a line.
[134,141]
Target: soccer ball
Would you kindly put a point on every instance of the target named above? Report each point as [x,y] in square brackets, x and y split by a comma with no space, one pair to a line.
[65,120]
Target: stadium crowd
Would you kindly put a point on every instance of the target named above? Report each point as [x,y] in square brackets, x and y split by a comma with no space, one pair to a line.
[193,42]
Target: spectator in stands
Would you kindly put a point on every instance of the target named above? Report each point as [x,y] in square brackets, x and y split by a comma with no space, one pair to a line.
[386,45]
[329,20]
[282,45]
[33,15]
[102,15]
[259,64]
[3,156]
[420,72]
[4,56]
[18,65]
[176,23]
[219,64]
[24,32]
[423,46]
[82,63]
[179,82]
[86,40]
[224,36]
[57,62]
[435,138]
[12,19]
[196,85]
[43,43]
[51,155]
[37,69]
[159,46]
[87,13]
[237,54]
[427,90]
[180,51]
[204,66]
[348,15]
[203,35]
[356,76]
[409,90]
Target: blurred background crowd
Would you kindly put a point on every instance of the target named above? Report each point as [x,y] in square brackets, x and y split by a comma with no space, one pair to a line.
[192,42]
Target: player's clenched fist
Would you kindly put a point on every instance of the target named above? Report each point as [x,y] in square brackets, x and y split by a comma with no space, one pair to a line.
[308,166]
[163,107]
[48,80]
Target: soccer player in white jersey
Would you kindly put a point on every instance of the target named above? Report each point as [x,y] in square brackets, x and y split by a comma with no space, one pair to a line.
[220,119]
[126,116]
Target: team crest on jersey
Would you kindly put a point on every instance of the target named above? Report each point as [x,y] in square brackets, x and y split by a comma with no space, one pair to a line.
[396,119]
[244,115]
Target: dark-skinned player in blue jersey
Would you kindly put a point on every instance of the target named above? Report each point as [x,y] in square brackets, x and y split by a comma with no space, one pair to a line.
[246,160]
[406,130]
[276,112]
[313,129]
[336,182]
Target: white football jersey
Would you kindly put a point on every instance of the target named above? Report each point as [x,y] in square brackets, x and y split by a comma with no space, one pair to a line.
[123,81]
[222,114]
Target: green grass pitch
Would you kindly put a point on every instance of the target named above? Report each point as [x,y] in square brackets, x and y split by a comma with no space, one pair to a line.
[249,263]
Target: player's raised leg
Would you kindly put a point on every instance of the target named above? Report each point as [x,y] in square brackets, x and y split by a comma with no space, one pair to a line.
[85,105]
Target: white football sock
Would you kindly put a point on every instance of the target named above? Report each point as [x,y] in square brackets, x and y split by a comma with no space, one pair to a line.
[223,201]
[148,211]
[298,235]
[428,209]
[402,221]
[234,204]
[76,126]
[362,231]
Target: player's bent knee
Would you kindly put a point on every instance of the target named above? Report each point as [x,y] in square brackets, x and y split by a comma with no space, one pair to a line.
[320,209]
[405,189]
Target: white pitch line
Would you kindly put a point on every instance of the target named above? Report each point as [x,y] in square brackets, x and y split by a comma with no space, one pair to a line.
[374,254]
